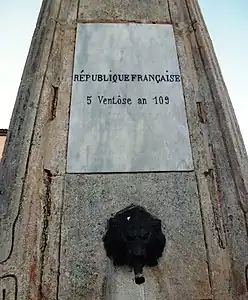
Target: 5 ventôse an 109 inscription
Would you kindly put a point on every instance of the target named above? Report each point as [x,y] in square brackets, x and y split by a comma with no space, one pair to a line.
[127,110]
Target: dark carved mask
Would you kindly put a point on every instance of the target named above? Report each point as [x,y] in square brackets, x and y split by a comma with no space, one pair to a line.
[134,237]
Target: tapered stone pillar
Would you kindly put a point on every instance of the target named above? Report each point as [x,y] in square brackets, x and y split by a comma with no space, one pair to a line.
[65,170]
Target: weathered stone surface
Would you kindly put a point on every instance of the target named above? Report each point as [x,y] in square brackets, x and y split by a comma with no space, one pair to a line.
[35,234]
[14,162]
[218,261]
[50,240]
[227,175]
[8,287]
[133,119]
[90,201]
[116,11]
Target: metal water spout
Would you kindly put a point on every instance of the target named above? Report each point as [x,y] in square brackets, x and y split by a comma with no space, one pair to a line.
[134,237]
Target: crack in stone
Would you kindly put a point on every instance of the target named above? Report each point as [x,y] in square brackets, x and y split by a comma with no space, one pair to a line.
[54,102]
[11,287]
[46,207]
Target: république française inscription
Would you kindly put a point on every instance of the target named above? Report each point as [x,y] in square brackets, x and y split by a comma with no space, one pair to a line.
[127,110]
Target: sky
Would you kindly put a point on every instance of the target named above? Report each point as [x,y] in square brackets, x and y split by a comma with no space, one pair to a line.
[226,20]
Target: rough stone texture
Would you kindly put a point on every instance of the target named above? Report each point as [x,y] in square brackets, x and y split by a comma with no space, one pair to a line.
[228,174]
[52,223]
[89,202]
[123,10]
[15,158]
[30,230]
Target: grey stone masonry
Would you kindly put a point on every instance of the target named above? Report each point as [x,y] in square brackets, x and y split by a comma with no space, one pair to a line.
[55,199]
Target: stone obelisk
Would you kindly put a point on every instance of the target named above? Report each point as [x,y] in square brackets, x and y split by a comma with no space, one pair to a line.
[122,102]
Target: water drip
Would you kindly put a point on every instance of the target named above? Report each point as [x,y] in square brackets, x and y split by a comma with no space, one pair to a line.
[142,291]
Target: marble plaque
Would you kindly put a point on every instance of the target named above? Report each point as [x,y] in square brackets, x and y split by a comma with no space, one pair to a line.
[127,111]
